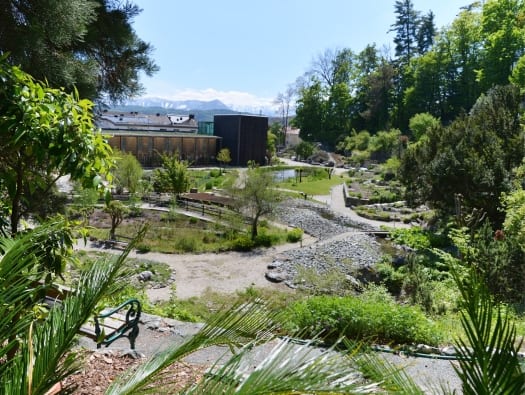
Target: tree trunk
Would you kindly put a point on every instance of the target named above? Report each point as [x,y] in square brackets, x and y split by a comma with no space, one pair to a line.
[254,226]
[15,208]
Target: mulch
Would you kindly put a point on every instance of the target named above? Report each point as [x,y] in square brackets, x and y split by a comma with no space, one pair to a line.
[100,369]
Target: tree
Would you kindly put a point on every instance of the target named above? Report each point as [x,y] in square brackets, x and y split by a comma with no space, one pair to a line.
[116,210]
[406,29]
[472,157]
[224,157]
[310,113]
[304,149]
[90,45]
[426,33]
[283,101]
[271,148]
[503,32]
[128,172]
[45,133]
[173,177]
[257,197]
[420,123]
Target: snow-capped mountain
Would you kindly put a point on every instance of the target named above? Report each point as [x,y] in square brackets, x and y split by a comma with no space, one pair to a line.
[183,105]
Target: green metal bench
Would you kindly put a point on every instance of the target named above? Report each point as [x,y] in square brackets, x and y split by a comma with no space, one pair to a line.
[110,324]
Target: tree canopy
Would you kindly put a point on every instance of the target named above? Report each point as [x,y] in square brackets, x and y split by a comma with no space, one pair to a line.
[45,133]
[87,44]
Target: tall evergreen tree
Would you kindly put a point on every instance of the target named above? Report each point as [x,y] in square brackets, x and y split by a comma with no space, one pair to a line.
[426,33]
[87,44]
[406,29]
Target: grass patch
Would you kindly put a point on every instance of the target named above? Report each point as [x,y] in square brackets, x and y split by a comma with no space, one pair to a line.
[313,187]
[361,318]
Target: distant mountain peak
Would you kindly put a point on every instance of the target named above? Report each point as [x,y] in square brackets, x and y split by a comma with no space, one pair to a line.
[182,105]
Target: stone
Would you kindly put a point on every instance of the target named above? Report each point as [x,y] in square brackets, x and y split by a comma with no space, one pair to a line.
[276,276]
[146,275]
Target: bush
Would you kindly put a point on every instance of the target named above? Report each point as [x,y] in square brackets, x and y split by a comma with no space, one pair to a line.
[360,319]
[215,173]
[143,248]
[263,240]
[242,243]
[209,185]
[294,235]
[186,244]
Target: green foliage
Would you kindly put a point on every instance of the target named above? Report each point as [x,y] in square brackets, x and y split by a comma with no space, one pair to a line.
[357,318]
[294,235]
[420,123]
[116,210]
[242,243]
[223,157]
[128,172]
[257,198]
[304,149]
[173,177]
[45,133]
[413,237]
[454,161]
[84,45]
[489,361]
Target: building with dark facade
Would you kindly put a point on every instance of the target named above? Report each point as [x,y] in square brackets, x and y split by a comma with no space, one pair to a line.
[244,135]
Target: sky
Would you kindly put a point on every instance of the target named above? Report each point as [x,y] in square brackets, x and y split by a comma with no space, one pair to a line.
[245,52]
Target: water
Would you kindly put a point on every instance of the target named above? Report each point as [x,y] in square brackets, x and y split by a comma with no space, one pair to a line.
[283,175]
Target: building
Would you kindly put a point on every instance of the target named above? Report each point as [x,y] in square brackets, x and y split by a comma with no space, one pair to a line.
[244,135]
[291,138]
[148,136]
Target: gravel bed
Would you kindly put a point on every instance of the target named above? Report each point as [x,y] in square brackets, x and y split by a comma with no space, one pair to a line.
[341,247]
[316,219]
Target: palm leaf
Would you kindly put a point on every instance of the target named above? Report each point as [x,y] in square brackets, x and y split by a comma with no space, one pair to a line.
[489,362]
[40,362]
[244,323]
[392,379]
[289,369]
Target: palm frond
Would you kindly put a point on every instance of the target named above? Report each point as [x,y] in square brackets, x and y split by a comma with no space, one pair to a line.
[392,379]
[489,362]
[39,363]
[289,368]
[242,324]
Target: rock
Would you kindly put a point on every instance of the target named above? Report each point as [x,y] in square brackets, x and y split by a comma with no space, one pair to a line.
[276,276]
[274,265]
[146,275]
[448,351]
[425,349]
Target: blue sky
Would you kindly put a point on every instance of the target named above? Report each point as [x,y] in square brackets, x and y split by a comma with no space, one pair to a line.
[244,52]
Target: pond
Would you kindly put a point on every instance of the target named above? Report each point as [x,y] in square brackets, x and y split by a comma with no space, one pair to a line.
[284,174]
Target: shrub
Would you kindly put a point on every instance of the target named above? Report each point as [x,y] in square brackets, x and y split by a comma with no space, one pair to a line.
[242,243]
[186,244]
[215,173]
[209,185]
[294,235]
[360,319]
[143,248]
[263,240]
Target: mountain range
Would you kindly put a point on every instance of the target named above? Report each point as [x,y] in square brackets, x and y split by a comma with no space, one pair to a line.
[179,105]
[203,110]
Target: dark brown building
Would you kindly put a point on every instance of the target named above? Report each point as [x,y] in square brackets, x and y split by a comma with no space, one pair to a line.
[244,135]
[146,146]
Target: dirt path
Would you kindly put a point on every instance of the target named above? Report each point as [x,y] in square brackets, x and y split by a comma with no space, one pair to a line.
[226,272]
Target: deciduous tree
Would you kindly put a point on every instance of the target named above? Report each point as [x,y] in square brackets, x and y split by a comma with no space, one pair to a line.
[45,133]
